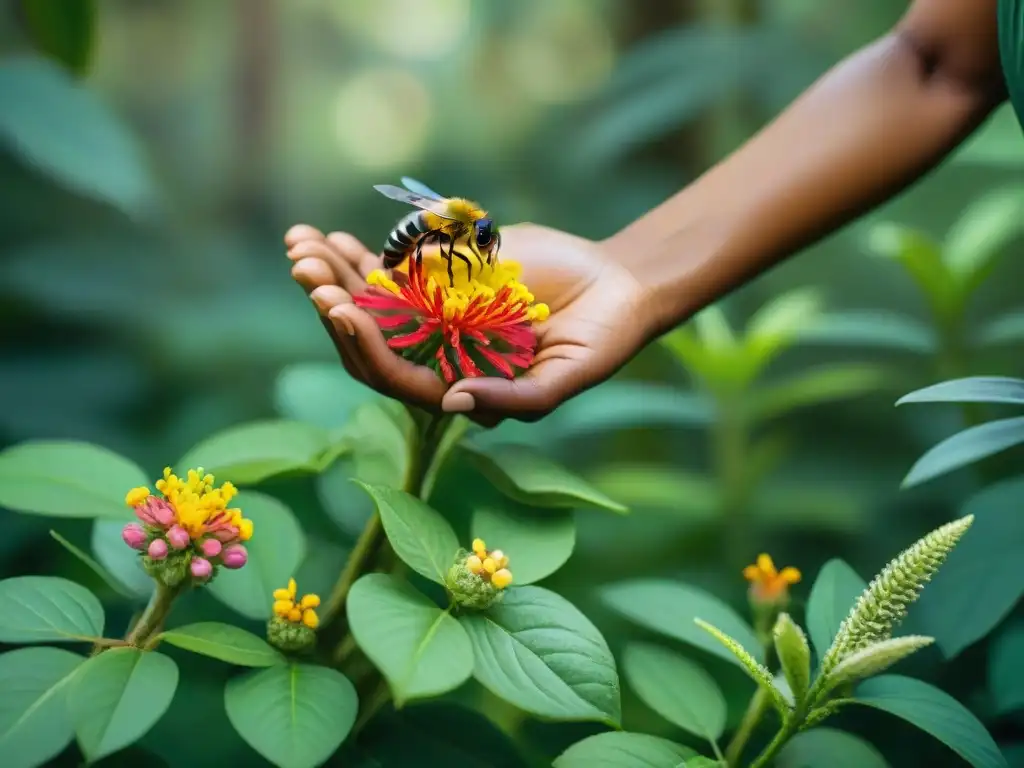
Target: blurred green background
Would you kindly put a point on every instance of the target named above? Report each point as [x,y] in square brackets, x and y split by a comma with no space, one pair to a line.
[146,297]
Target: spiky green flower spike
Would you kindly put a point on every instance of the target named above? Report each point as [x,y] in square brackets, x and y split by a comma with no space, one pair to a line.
[885,602]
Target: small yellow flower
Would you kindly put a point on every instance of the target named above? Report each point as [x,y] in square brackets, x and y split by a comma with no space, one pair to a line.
[136,496]
[296,611]
[490,566]
[766,582]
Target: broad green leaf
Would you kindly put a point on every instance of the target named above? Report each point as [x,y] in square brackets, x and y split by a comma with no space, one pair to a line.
[1006,669]
[934,712]
[118,696]
[537,543]
[437,733]
[986,562]
[67,479]
[537,651]
[276,550]
[871,329]
[60,127]
[93,566]
[973,389]
[420,649]
[64,31]
[251,453]
[533,479]
[618,749]
[692,496]
[34,723]
[419,535]
[921,257]
[670,608]
[294,715]
[981,235]
[1003,329]
[815,386]
[966,447]
[224,642]
[322,394]
[676,688]
[47,609]
[829,748]
[832,597]
[120,560]
[628,405]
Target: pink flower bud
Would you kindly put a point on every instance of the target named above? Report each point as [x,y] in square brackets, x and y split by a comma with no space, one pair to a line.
[211,547]
[158,549]
[134,535]
[156,511]
[234,556]
[227,533]
[201,568]
[178,537]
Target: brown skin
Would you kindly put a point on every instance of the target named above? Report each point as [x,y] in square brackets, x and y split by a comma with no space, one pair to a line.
[869,128]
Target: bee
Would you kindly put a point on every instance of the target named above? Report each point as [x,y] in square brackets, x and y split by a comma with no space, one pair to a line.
[446,220]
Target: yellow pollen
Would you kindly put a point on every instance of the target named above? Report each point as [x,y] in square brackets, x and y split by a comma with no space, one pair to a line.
[490,566]
[198,502]
[480,548]
[502,578]
[136,496]
[474,564]
[288,607]
[310,619]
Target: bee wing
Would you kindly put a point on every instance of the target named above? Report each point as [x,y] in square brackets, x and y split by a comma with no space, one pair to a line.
[438,207]
[420,188]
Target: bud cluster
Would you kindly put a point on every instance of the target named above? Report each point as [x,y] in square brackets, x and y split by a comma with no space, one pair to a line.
[293,625]
[478,579]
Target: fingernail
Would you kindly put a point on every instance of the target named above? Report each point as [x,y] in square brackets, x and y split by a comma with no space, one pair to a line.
[320,300]
[458,402]
[340,318]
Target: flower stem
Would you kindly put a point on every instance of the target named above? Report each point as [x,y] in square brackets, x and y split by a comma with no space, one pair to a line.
[366,546]
[755,711]
[790,727]
[153,617]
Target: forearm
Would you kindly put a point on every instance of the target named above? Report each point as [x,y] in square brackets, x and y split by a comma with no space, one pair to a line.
[866,130]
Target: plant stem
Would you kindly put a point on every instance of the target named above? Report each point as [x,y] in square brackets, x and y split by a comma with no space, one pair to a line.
[755,711]
[366,546]
[788,728]
[378,699]
[153,617]
[730,449]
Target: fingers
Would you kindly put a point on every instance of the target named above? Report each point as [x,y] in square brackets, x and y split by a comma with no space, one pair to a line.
[386,371]
[301,232]
[527,398]
[345,274]
[354,253]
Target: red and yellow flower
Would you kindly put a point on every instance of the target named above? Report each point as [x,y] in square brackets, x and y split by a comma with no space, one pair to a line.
[480,326]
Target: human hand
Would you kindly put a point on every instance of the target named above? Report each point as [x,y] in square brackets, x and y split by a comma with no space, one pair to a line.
[598,322]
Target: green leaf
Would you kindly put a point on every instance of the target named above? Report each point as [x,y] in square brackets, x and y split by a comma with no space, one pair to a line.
[619,749]
[982,233]
[794,656]
[437,733]
[92,565]
[1006,669]
[322,394]
[537,543]
[985,562]
[65,32]
[815,386]
[34,723]
[276,550]
[224,642]
[118,696]
[713,328]
[61,128]
[778,323]
[67,479]
[420,649]
[294,715]
[835,590]
[872,329]
[966,447]
[628,405]
[829,748]
[936,713]
[251,453]
[755,669]
[531,478]
[646,485]
[46,609]
[121,561]
[670,608]
[420,536]
[921,257]
[1003,329]
[676,688]
[875,658]
[973,389]
[537,651]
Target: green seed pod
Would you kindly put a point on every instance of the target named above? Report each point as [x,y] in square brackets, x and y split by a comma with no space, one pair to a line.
[467,588]
[290,636]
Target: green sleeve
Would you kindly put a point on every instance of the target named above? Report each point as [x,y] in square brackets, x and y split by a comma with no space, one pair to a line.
[1011,52]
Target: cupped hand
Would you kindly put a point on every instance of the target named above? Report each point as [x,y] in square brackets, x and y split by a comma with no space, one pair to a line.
[598,322]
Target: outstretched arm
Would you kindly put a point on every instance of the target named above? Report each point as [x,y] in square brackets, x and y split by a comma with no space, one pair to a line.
[871,126]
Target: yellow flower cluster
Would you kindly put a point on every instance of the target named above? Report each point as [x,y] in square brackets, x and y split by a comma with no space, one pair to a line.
[768,583]
[483,281]
[490,566]
[303,610]
[198,505]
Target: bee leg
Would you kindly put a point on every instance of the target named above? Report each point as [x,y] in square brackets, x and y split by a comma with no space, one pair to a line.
[453,253]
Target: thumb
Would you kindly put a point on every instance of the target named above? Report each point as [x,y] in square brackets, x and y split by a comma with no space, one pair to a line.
[527,398]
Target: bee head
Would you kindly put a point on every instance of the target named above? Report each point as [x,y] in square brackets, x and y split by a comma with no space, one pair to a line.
[484,233]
